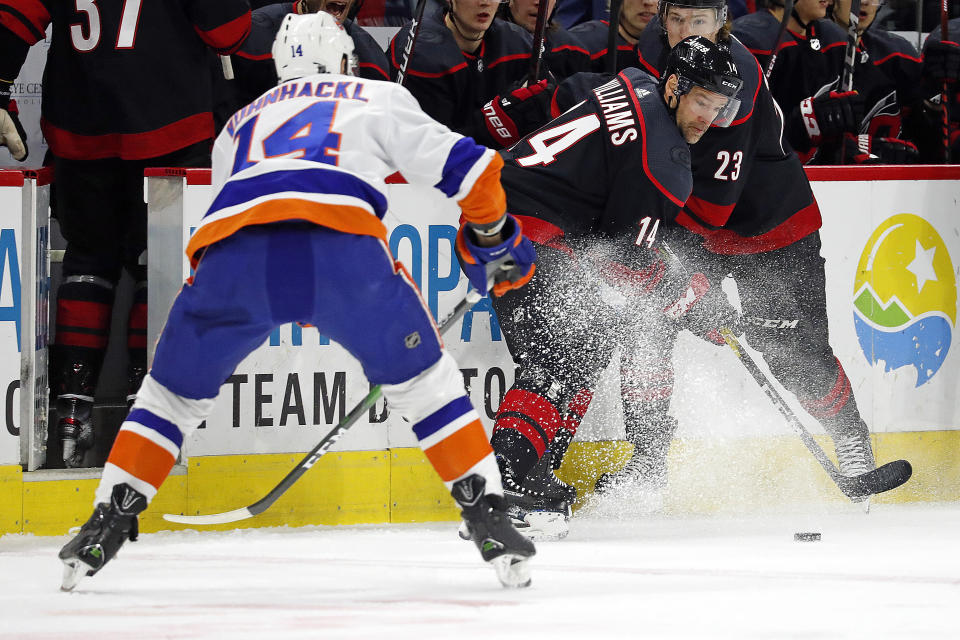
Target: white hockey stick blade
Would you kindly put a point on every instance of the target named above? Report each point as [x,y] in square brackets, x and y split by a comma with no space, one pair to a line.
[213,518]
[73,572]
[513,571]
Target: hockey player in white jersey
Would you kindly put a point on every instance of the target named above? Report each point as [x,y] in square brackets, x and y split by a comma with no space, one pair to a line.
[294,234]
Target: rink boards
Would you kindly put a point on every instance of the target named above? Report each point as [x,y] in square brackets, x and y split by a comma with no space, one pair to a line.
[891,237]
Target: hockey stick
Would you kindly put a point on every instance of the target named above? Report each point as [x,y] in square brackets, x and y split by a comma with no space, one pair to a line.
[612,33]
[539,39]
[850,56]
[411,40]
[318,451]
[787,11]
[945,96]
[883,478]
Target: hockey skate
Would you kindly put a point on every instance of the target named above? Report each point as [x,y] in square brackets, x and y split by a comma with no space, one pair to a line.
[102,536]
[488,525]
[854,457]
[75,425]
[540,504]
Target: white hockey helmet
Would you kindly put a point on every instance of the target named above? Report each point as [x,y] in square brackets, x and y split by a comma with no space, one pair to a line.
[312,43]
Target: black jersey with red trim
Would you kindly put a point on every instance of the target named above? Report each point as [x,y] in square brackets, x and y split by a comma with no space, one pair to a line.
[613,166]
[807,65]
[564,55]
[253,62]
[452,86]
[886,72]
[925,125]
[125,79]
[750,192]
[595,36]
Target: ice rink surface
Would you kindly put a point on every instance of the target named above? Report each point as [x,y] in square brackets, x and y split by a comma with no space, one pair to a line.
[892,573]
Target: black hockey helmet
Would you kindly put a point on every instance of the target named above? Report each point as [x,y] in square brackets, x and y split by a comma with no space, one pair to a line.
[699,62]
[720,6]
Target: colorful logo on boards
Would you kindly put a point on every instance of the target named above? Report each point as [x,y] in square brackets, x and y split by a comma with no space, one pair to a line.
[905,297]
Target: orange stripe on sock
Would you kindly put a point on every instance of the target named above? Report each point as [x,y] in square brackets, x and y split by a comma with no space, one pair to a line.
[460,451]
[141,458]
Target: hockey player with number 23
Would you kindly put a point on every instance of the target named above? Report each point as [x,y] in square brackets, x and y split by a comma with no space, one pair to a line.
[294,234]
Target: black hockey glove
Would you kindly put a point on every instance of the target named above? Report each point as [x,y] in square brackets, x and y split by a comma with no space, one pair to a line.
[12,134]
[509,263]
[829,116]
[866,149]
[941,62]
[521,111]
[704,309]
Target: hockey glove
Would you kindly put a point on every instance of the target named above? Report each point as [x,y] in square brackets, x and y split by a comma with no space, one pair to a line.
[12,134]
[509,263]
[829,116]
[518,113]
[866,149]
[941,62]
[703,309]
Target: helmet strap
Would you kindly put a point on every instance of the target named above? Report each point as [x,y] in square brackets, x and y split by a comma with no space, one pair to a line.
[454,21]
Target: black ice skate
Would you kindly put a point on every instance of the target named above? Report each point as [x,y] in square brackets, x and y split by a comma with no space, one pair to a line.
[641,471]
[102,536]
[491,530]
[540,500]
[75,425]
[855,456]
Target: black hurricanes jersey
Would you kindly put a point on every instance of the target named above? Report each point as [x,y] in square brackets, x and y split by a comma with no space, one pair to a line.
[124,78]
[886,73]
[253,63]
[807,65]
[614,166]
[750,193]
[452,86]
[595,35]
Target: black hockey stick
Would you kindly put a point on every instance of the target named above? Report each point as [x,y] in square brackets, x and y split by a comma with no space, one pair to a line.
[883,478]
[850,57]
[787,12]
[411,40]
[317,452]
[612,33]
[539,39]
[945,96]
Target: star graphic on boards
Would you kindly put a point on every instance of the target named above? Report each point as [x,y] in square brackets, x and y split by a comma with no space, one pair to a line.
[922,266]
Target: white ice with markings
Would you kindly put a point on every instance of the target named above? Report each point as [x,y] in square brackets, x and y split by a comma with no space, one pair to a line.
[892,573]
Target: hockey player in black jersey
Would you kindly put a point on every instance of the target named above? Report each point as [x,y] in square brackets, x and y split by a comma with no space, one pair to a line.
[886,67]
[563,53]
[635,15]
[941,64]
[467,71]
[751,213]
[253,63]
[596,188]
[122,90]
[805,79]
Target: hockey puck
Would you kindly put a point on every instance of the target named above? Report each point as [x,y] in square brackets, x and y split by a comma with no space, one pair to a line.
[806,536]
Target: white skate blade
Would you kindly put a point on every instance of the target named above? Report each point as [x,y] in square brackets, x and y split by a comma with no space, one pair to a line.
[73,572]
[512,571]
[544,526]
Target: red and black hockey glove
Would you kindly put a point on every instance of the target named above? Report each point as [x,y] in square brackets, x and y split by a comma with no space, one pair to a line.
[866,149]
[521,111]
[704,309]
[12,135]
[509,263]
[829,116]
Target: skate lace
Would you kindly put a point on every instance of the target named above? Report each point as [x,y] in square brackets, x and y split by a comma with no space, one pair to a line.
[854,456]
